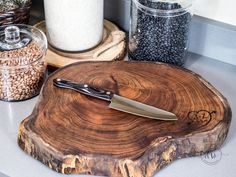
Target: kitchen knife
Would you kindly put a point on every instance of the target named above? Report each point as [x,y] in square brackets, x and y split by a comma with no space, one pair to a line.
[117,102]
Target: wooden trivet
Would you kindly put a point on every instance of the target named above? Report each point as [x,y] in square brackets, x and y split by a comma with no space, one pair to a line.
[112,47]
[73,133]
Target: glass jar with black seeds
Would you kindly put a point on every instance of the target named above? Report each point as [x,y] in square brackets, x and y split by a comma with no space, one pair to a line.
[159,30]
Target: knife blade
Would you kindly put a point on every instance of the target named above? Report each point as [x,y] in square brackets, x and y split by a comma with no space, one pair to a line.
[3,175]
[117,102]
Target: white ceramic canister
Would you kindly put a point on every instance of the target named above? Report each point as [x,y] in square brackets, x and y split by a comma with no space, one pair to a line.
[74,25]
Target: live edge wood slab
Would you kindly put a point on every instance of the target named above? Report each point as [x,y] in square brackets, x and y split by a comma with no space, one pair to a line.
[112,47]
[73,133]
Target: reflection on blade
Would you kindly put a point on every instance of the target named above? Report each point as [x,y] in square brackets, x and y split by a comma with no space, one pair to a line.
[3,175]
[140,109]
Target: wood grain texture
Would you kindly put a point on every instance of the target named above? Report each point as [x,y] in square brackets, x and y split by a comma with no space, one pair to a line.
[112,47]
[73,133]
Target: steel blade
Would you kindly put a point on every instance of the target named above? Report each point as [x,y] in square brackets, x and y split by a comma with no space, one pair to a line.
[3,175]
[136,108]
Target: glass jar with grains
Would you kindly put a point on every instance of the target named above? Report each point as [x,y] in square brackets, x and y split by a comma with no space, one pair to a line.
[22,62]
[159,30]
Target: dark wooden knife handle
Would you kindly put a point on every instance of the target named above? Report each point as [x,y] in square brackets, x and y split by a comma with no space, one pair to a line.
[84,89]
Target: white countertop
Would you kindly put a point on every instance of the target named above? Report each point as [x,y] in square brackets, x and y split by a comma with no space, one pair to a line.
[15,163]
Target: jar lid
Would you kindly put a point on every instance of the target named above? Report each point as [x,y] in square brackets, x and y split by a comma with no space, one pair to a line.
[164,8]
[21,45]
[12,38]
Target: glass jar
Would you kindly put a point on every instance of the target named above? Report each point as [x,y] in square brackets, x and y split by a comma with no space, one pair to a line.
[159,30]
[74,25]
[22,62]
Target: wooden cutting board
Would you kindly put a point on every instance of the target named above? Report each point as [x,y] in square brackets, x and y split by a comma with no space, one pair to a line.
[73,133]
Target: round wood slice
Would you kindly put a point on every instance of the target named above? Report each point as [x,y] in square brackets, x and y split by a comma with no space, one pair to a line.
[73,133]
[112,47]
